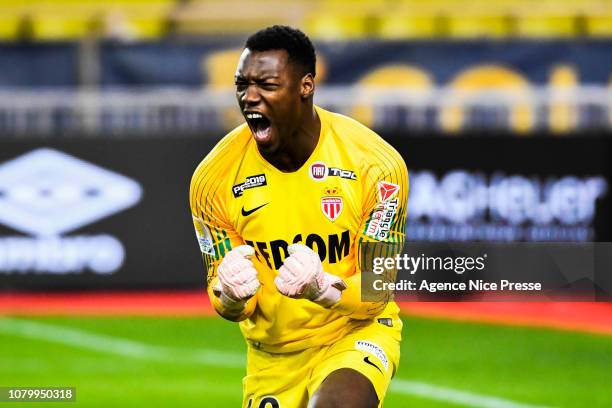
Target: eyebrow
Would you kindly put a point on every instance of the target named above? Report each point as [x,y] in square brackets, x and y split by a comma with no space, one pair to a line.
[262,78]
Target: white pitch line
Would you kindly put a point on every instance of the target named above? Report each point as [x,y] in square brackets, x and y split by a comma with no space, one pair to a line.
[134,349]
[117,346]
[470,399]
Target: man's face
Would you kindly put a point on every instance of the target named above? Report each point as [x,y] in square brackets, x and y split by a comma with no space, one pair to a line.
[268,89]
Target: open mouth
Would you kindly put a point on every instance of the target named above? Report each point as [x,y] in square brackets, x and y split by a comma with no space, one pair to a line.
[260,126]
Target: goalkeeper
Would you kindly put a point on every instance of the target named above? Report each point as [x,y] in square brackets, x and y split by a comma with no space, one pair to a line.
[281,206]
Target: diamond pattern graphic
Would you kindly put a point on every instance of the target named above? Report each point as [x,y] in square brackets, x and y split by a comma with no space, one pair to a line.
[47,192]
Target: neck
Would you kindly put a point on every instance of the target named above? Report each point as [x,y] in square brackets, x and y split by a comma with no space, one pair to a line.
[301,144]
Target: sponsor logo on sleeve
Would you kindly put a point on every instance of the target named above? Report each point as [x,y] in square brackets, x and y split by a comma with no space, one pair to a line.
[386,190]
[250,182]
[204,239]
[373,349]
[382,219]
[383,214]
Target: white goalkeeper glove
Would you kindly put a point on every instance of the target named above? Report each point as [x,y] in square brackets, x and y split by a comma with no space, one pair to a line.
[302,276]
[237,281]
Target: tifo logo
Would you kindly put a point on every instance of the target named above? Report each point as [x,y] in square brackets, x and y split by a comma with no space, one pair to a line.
[318,171]
[47,193]
[386,190]
[250,182]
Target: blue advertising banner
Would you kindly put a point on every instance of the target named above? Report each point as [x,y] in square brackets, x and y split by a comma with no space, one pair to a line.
[422,63]
[396,63]
[38,65]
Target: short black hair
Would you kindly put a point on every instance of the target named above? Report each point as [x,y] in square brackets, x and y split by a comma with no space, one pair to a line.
[280,37]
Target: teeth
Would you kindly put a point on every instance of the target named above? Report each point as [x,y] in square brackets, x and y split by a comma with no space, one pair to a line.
[254,116]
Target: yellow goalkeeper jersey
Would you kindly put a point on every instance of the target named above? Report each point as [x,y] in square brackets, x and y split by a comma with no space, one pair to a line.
[352,189]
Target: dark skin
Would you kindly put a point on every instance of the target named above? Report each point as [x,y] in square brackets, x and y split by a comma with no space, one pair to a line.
[345,388]
[268,83]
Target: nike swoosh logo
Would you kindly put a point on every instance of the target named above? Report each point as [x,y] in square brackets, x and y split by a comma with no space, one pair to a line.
[367,360]
[251,211]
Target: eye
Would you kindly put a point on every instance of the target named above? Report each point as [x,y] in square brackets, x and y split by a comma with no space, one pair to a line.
[240,86]
[269,86]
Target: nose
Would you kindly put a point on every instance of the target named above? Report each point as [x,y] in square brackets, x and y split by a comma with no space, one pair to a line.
[250,96]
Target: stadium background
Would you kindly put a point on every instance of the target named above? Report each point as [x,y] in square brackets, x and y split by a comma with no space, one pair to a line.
[106,107]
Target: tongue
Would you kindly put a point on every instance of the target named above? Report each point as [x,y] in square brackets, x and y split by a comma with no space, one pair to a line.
[262,134]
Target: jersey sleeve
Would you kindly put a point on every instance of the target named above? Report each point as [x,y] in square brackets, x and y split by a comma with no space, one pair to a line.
[385,197]
[216,236]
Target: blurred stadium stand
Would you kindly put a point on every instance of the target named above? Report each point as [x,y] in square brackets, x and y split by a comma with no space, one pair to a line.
[121,66]
[52,20]
[158,112]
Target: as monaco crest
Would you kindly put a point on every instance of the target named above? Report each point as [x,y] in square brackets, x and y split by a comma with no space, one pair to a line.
[332,207]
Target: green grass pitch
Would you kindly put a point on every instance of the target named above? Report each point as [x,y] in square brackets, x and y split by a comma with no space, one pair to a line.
[181,362]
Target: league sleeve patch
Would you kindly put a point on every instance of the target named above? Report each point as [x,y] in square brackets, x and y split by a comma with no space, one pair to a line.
[204,238]
[373,349]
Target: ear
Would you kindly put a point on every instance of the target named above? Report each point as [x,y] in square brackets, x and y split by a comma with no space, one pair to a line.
[307,86]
